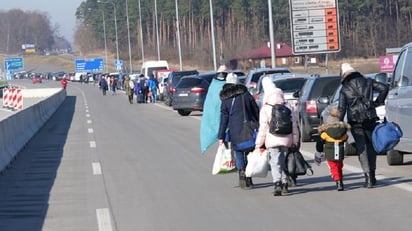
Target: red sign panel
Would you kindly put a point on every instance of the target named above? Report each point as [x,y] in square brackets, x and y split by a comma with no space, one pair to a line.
[387,63]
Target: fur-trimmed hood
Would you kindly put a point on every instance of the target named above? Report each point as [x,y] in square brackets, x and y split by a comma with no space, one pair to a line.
[335,130]
[231,90]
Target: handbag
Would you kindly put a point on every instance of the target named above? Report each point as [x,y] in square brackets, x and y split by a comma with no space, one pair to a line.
[248,132]
[224,161]
[257,164]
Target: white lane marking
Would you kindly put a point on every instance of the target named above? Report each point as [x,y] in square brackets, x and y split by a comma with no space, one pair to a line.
[97,169]
[87,111]
[90,130]
[89,121]
[384,179]
[92,144]
[103,219]
[87,115]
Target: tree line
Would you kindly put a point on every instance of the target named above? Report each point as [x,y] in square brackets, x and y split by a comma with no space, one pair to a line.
[19,27]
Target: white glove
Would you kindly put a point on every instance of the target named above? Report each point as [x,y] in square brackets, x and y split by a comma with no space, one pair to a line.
[319,157]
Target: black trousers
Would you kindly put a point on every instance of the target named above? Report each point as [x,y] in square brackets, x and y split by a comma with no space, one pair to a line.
[362,134]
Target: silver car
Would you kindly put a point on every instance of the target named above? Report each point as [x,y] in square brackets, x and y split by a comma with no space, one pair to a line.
[399,104]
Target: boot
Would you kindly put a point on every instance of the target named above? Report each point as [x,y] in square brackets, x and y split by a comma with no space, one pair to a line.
[242,179]
[368,181]
[249,183]
[278,189]
[372,177]
[339,185]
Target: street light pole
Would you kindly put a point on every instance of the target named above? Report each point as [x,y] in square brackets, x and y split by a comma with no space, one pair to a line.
[105,43]
[272,42]
[178,37]
[141,31]
[115,28]
[213,34]
[157,32]
[128,38]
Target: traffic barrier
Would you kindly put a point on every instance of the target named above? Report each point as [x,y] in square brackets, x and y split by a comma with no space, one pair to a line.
[19,100]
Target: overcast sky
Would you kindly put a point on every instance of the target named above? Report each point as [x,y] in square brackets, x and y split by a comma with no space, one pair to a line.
[61,12]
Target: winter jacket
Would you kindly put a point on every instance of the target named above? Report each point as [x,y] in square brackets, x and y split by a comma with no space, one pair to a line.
[264,137]
[332,139]
[352,85]
[233,120]
[126,85]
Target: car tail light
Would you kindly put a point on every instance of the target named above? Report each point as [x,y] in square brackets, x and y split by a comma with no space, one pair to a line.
[197,90]
[311,106]
[173,90]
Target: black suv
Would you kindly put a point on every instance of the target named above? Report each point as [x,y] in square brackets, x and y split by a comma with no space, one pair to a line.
[309,108]
[172,79]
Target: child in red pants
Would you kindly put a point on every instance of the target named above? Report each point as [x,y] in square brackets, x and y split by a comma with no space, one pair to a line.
[333,134]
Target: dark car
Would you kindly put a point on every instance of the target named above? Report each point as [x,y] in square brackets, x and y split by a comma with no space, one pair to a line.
[190,93]
[172,79]
[309,107]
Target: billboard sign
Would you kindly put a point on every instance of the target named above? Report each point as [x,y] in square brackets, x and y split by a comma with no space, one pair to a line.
[14,63]
[314,26]
[91,65]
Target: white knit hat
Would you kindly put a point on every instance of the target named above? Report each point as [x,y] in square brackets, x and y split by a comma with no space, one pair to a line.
[346,69]
[231,78]
[222,68]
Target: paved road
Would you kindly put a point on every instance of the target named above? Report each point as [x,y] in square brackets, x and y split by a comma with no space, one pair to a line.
[103,164]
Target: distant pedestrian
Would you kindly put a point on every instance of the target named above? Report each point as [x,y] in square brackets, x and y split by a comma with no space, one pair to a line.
[128,88]
[103,85]
[333,134]
[63,82]
[113,85]
[356,101]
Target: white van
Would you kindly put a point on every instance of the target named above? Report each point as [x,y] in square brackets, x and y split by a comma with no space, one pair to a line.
[399,104]
[149,66]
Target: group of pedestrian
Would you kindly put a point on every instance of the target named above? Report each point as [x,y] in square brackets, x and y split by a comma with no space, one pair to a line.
[237,106]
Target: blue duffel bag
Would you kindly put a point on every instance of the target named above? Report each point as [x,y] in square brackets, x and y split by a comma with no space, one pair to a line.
[386,136]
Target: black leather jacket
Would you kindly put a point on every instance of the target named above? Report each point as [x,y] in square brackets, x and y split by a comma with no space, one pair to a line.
[356,83]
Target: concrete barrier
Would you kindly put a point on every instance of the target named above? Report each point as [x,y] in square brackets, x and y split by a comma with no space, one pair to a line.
[17,129]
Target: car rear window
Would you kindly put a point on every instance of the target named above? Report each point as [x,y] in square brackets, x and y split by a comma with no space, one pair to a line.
[178,75]
[256,76]
[324,87]
[290,85]
[188,82]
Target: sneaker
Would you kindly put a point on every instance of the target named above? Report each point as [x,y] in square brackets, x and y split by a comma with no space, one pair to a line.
[285,189]
[278,189]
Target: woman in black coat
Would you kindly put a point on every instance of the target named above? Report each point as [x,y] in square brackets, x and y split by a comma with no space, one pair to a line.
[234,98]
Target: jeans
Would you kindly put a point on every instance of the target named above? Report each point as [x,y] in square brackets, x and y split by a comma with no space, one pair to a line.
[277,163]
[240,159]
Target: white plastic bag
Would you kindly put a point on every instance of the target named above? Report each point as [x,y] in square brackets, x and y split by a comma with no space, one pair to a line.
[224,161]
[257,164]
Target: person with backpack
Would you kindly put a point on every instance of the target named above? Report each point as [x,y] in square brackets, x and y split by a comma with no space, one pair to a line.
[333,134]
[278,131]
[356,101]
[237,106]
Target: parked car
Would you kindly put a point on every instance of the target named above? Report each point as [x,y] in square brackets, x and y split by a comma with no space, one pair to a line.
[309,107]
[172,79]
[289,83]
[190,93]
[399,104]
[36,78]
[253,76]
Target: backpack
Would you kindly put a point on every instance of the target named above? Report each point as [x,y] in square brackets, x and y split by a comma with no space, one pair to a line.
[386,136]
[362,107]
[281,121]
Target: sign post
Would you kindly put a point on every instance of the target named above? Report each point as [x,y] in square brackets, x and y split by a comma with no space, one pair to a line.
[314,26]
